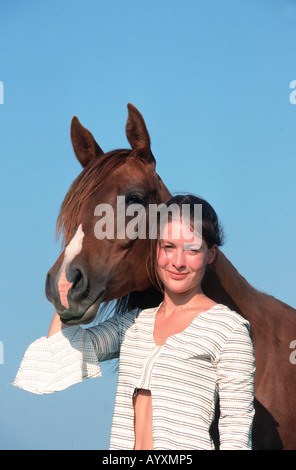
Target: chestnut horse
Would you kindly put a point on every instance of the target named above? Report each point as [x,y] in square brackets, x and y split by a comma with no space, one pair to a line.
[99,271]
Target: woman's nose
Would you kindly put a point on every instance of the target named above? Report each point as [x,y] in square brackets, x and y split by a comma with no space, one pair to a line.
[179,259]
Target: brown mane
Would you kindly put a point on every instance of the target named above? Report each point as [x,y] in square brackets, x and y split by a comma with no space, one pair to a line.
[93,176]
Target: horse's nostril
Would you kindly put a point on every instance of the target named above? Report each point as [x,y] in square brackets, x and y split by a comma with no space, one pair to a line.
[48,288]
[80,285]
[77,279]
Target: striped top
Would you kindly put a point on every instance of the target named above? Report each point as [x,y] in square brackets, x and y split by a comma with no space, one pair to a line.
[212,357]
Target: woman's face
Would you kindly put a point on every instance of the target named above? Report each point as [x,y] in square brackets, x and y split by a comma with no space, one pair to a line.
[181,261]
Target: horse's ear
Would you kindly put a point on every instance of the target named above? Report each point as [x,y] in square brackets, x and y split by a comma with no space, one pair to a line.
[137,134]
[84,145]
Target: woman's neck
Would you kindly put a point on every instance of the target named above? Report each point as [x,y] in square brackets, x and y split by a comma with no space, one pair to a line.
[186,300]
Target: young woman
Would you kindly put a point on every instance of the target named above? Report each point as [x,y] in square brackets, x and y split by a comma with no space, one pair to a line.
[175,360]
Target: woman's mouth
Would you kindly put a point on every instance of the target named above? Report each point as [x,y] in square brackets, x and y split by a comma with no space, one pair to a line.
[176,275]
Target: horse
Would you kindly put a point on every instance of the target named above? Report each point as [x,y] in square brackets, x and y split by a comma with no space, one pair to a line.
[113,271]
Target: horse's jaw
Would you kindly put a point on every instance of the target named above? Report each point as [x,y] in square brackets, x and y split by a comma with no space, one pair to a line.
[69,317]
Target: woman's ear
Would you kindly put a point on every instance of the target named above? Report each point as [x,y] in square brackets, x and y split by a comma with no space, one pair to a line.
[212,253]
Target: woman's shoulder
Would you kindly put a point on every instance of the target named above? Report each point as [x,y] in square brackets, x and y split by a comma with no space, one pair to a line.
[138,314]
[146,314]
[225,316]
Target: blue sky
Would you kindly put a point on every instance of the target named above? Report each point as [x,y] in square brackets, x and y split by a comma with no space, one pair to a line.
[212,81]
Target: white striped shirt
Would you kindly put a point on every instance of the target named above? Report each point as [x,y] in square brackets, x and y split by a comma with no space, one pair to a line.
[212,357]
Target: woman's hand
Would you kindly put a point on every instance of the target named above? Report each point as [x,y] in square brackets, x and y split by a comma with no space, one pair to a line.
[56,325]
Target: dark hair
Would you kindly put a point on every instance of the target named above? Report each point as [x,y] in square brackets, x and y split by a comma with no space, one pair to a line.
[212,232]
[211,229]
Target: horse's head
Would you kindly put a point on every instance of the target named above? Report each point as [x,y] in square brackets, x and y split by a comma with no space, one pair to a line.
[103,258]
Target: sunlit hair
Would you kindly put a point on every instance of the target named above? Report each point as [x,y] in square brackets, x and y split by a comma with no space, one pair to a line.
[212,232]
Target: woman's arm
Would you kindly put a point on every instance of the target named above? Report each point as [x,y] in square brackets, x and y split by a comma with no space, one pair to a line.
[67,355]
[235,371]
[56,325]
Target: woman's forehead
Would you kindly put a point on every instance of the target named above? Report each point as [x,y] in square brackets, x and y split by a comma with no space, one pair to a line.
[179,230]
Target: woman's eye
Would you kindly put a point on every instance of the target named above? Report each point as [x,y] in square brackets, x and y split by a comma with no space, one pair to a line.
[192,249]
[193,252]
[167,247]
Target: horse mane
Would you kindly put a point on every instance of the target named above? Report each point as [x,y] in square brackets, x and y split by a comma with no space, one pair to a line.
[88,181]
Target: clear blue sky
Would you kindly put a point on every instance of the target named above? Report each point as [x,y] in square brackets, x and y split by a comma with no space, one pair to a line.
[212,81]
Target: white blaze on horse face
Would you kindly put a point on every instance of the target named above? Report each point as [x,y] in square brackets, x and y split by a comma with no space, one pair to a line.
[72,250]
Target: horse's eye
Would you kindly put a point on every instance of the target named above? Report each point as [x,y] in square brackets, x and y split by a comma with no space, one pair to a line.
[133,199]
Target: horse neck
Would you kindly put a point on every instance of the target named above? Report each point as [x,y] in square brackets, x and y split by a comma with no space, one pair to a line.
[234,283]
[225,285]
[233,290]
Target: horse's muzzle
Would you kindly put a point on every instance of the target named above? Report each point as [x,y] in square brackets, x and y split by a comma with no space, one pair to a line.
[72,296]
